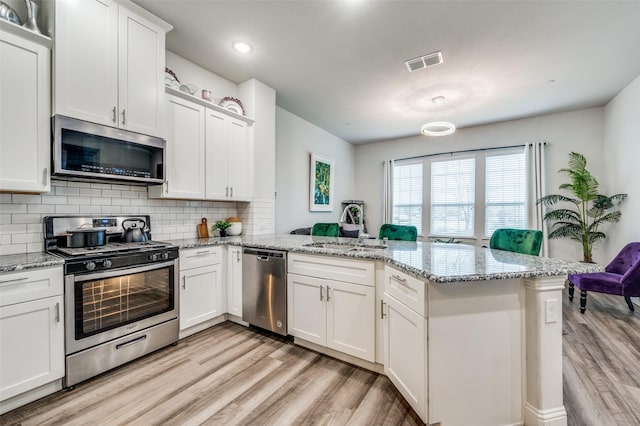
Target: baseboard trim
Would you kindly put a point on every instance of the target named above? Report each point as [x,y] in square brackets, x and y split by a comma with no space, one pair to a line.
[551,417]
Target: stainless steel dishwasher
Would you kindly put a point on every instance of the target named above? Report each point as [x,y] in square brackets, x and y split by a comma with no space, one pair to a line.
[264,289]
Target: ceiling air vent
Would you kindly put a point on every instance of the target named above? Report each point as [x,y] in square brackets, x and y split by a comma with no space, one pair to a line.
[424,61]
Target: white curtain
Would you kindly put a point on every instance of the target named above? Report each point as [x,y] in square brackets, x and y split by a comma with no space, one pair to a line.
[535,159]
[387,191]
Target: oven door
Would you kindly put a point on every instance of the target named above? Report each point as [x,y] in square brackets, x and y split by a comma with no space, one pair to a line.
[103,306]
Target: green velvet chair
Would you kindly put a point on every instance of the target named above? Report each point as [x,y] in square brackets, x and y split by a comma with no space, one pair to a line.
[398,232]
[525,241]
[326,230]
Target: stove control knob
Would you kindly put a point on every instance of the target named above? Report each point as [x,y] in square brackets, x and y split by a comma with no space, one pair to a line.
[165,255]
[90,266]
[153,257]
[106,263]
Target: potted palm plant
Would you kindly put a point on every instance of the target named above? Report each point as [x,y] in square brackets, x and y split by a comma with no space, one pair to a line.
[584,210]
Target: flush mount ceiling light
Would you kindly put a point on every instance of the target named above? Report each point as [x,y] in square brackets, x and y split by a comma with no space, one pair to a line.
[241,46]
[438,128]
[437,100]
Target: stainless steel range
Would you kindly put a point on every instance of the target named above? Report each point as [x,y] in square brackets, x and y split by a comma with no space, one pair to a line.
[121,298]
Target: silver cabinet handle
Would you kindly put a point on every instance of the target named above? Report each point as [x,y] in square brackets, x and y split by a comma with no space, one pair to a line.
[57,312]
[113,117]
[238,256]
[382,309]
[44,176]
[231,192]
[226,191]
[13,280]
[321,297]
[328,294]
[166,186]
[402,281]
[184,282]
[123,117]
[202,253]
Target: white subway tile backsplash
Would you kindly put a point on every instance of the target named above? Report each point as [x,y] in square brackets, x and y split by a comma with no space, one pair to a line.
[65,190]
[170,219]
[26,199]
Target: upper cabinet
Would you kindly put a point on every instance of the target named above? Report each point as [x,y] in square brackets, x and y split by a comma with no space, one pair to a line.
[109,64]
[227,151]
[25,104]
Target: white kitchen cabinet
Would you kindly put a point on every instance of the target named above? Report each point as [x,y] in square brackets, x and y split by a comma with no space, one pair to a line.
[201,286]
[234,281]
[326,309]
[25,135]
[185,166]
[405,337]
[228,174]
[31,334]
[109,64]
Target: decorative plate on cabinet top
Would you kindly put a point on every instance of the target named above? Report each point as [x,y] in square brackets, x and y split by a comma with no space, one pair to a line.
[232,104]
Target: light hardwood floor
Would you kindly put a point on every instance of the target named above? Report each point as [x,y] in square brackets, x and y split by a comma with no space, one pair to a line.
[230,375]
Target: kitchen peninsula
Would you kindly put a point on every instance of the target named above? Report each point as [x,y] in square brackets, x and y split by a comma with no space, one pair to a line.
[468,335]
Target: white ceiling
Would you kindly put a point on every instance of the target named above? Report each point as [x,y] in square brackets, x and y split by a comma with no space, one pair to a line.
[340,64]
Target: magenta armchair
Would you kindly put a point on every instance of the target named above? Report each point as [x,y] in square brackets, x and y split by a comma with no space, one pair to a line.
[621,277]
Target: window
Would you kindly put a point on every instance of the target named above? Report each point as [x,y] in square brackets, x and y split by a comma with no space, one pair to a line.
[407,195]
[453,197]
[469,195]
[505,193]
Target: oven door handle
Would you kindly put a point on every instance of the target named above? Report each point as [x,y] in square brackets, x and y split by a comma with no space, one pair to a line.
[81,277]
[131,342]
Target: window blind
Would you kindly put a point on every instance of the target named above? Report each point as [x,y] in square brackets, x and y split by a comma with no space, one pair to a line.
[407,195]
[505,192]
[453,197]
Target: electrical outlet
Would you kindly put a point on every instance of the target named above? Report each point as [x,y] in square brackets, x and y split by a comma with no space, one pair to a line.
[551,310]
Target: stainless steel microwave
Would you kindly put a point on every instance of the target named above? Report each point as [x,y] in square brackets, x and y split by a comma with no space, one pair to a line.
[94,152]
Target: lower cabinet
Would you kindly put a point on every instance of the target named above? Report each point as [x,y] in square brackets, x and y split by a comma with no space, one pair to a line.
[201,285]
[31,333]
[234,281]
[336,314]
[405,337]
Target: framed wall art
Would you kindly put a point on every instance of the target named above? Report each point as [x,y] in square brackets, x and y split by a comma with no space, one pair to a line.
[321,183]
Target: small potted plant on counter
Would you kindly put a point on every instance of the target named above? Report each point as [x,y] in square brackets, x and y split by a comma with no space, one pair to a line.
[221,226]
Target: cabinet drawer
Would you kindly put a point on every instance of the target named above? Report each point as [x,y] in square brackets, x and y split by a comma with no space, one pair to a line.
[339,269]
[200,256]
[406,289]
[23,286]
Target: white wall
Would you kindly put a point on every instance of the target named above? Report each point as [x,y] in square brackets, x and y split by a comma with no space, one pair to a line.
[621,155]
[580,131]
[190,73]
[296,140]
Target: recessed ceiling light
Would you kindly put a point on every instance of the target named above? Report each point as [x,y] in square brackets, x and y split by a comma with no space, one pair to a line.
[241,46]
[438,128]
[437,100]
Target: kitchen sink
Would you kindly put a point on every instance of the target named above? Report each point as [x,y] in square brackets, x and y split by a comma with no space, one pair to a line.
[347,246]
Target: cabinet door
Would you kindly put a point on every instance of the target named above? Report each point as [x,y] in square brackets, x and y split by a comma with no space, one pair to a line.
[200,295]
[306,308]
[351,319]
[141,61]
[405,359]
[25,118]
[185,150]
[239,159]
[86,61]
[31,345]
[216,147]
[234,284]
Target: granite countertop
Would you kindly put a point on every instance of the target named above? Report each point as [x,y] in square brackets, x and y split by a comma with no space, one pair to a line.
[21,262]
[437,262]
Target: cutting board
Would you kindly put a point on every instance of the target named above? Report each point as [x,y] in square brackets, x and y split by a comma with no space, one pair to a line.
[203,229]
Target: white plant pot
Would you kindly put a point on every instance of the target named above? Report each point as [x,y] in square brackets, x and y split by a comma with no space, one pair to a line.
[235,228]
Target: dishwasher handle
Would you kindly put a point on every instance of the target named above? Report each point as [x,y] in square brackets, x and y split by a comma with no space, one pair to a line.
[262,258]
[262,254]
